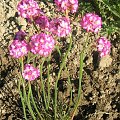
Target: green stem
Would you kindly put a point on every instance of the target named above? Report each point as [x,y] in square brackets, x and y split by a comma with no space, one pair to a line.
[21,63]
[24,91]
[43,87]
[31,58]
[70,87]
[116,13]
[80,74]
[58,76]
[57,48]
[34,103]
[35,26]
[82,56]
[48,82]
[69,82]
[79,89]
[23,82]
[29,104]
[28,57]
[22,100]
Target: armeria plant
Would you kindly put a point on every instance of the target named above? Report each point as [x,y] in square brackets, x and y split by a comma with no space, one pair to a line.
[35,51]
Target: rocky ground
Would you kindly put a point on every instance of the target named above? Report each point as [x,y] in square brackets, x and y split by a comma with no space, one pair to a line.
[101,78]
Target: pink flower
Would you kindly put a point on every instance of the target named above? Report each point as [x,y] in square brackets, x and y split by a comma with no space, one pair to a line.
[70,5]
[30,73]
[42,44]
[18,48]
[42,21]
[60,26]
[20,35]
[28,9]
[91,22]
[103,46]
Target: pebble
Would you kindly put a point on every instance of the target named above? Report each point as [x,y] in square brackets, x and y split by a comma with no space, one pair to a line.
[106,61]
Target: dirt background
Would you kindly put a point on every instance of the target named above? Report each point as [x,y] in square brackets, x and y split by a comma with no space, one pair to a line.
[101,77]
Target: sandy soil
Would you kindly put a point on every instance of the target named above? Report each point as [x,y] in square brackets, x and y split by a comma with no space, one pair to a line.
[101,78]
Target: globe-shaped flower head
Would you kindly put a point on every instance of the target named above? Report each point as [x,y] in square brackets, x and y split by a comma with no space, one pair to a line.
[18,48]
[28,9]
[42,44]
[70,5]
[103,46]
[91,22]
[30,73]
[60,26]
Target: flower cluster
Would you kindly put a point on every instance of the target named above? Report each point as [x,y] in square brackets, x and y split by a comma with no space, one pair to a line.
[42,44]
[103,46]
[60,26]
[70,5]
[18,48]
[30,73]
[28,9]
[91,22]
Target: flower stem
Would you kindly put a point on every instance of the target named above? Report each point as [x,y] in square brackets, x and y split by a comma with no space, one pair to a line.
[58,76]
[22,100]
[35,26]
[82,56]
[29,104]
[23,97]
[34,102]
[24,91]
[43,87]
[79,89]
[48,82]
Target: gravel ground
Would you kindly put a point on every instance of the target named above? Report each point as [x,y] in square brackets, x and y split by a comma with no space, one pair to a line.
[101,78]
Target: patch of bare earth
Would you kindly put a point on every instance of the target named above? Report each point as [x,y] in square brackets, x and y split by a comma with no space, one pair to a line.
[101,77]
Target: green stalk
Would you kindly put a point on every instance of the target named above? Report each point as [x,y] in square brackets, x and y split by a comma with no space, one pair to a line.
[23,84]
[70,87]
[29,104]
[116,13]
[22,65]
[82,56]
[35,26]
[19,83]
[29,59]
[43,87]
[68,77]
[22,100]
[80,73]
[48,82]
[34,103]
[69,82]
[24,91]
[58,76]
[79,89]
[57,48]
[23,104]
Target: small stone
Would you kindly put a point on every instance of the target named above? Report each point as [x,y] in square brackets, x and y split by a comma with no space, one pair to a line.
[89,60]
[75,46]
[68,40]
[95,74]
[1,102]
[105,62]
[53,73]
